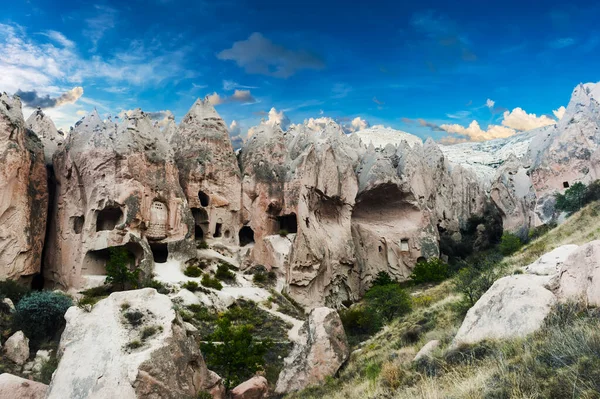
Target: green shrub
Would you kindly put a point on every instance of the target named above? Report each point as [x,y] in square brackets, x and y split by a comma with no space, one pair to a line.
[204,395]
[192,271]
[134,344]
[383,278]
[223,272]
[388,301]
[360,323]
[432,270]
[202,245]
[573,199]
[158,286]
[237,355]
[48,368]
[118,269]
[473,281]
[211,282]
[264,278]
[283,233]
[191,286]
[149,331]
[12,290]
[134,317]
[40,315]
[509,244]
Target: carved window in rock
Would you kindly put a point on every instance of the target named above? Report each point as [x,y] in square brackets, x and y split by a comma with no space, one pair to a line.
[404,245]
[565,184]
[159,221]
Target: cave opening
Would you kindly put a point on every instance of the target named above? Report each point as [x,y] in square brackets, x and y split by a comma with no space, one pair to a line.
[204,198]
[246,236]
[108,218]
[198,233]
[565,184]
[94,262]
[201,223]
[160,252]
[77,223]
[287,223]
[218,227]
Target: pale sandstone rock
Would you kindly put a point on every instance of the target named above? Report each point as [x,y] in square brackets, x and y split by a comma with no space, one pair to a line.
[187,298]
[13,387]
[23,194]
[550,263]
[9,304]
[427,349]
[117,186]
[579,275]
[44,128]
[320,352]
[255,388]
[16,348]
[209,173]
[97,363]
[513,307]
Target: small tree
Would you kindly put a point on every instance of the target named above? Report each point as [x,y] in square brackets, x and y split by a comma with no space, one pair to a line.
[573,199]
[233,353]
[509,244]
[430,271]
[118,269]
[40,315]
[383,278]
[388,301]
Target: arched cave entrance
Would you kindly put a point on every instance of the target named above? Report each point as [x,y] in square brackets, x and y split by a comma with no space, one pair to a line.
[204,198]
[94,262]
[160,252]
[108,218]
[246,236]
[287,223]
[200,222]
[218,228]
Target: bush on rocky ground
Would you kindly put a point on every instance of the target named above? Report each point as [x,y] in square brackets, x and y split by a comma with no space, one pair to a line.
[119,272]
[13,290]
[432,270]
[211,282]
[223,273]
[388,301]
[509,244]
[40,315]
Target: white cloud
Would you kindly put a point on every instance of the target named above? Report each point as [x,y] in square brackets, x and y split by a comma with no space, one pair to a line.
[278,118]
[475,133]
[520,120]
[560,112]
[316,124]
[59,38]
[241,96]
[235,128]
[490,103]
[229,85]
[104,19]
[215,99]
[358,124]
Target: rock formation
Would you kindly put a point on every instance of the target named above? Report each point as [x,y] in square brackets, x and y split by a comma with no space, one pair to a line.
[23,194]
[208,173]
[13,387]
[579,274]
[16,348]
[255,388]
[117,185]
[109,353]
[320,352]
[44,128]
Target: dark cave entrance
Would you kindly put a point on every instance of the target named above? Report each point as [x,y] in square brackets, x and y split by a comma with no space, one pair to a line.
[108,218]
[200,223]
[160,252]
[246,236]
[288,223]
[218,228]
[204,198]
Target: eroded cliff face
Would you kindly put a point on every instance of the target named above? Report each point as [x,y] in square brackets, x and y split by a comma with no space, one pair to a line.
[117,185]
[23,194]
[208,172]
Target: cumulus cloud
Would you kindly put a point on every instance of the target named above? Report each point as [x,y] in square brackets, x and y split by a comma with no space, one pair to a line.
[490,103]
[278,118]
[239,96]
[358,124]
[235,128]
[316,124]
[520,120]
[475,133]
[33,99]
[560,112]
[259,55]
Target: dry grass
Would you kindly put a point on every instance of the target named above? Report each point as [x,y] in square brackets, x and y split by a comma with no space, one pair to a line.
[534,367]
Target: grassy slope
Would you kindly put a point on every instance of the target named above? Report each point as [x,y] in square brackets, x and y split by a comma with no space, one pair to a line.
[534,367]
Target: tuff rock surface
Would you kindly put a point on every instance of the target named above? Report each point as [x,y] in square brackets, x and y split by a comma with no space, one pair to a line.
[46,131]
[13,387]
[16,348]
[320,352]
[255,388]
[579,275]
[98,360]
[23,194]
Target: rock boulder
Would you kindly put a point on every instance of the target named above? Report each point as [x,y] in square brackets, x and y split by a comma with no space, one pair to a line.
[579,275]
[321,350]
[13,387]
[255,388]
[16,348]
[130,345]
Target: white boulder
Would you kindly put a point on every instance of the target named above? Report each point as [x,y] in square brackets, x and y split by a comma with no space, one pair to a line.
[427,349]
[109,352]
[579,276]
[549,263]
[13,387]
[16,348]
[513,307]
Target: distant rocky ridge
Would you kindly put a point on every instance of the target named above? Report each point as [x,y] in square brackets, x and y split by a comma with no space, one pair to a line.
[349,206]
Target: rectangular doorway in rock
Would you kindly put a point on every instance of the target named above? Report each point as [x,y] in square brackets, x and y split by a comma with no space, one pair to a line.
[404,245]
[108,218]
[218,228]
[160,252]
[287,223]
[246,236]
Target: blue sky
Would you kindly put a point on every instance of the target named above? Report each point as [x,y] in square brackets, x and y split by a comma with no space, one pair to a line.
[431,68]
